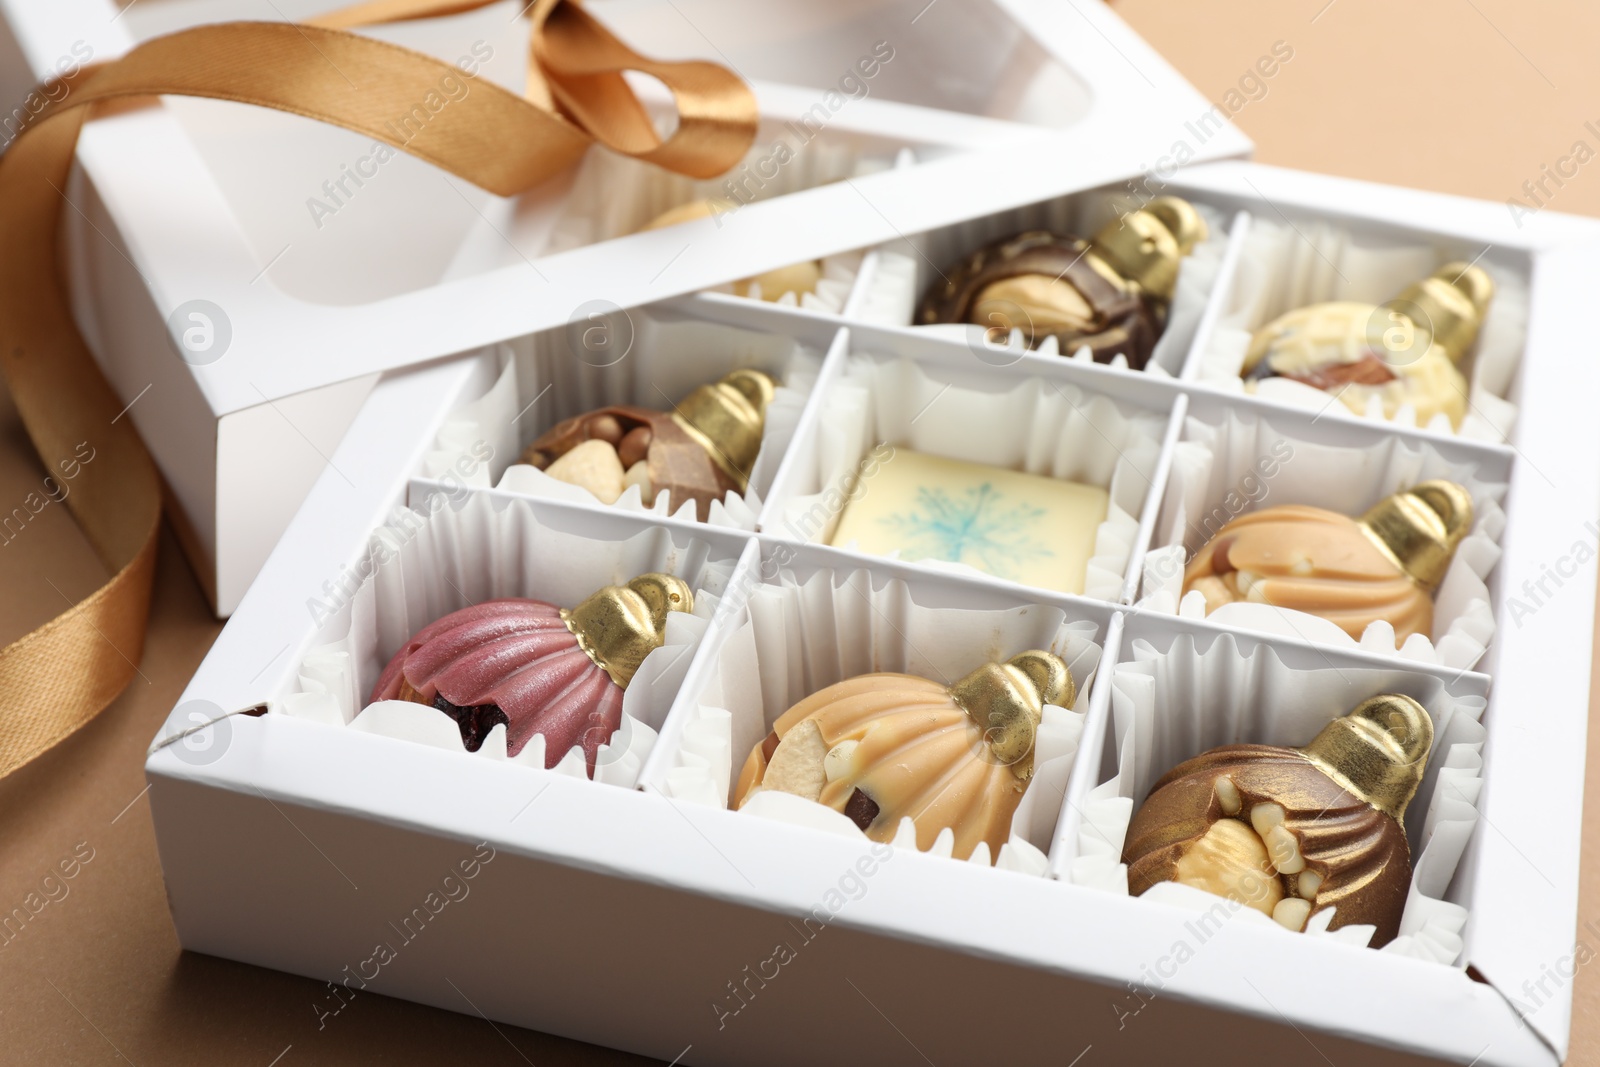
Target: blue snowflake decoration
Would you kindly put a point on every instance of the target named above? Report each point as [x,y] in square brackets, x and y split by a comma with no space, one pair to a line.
[981,529]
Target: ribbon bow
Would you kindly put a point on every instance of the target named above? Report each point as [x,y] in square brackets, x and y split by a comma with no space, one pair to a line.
[62,674]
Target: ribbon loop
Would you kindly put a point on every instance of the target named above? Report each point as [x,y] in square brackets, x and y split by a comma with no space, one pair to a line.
[584,64]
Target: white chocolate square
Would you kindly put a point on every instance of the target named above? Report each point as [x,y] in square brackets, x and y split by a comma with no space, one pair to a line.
[1021,527]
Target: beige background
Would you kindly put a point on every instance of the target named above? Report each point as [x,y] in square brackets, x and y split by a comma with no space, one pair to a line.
[1463,96]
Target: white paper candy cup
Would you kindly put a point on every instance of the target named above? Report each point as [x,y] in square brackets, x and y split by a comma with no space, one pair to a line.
[1243,463]
[658,360]
[797,637]
[420,567]
[1047,428]
[1314,260]
[1171,703]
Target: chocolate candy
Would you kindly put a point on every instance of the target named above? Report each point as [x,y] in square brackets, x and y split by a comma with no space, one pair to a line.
[1292,832]
[883,747]
[1110,293]
[537,668]
[1404,352]
[701,450]
[1022,527]
[1352,572]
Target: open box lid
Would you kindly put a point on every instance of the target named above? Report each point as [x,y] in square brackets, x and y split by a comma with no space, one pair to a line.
[216,201]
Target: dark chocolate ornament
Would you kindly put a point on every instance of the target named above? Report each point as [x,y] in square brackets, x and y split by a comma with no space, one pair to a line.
[1110,294]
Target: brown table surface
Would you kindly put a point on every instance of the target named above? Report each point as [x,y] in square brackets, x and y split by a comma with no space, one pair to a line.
[1462,96]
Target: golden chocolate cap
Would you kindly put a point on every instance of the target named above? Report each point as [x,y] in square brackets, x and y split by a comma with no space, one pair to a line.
[1007,700]
[727,419]
[1147,246]
[620,625]
[1420,528]
[1378,751]
[1450,303]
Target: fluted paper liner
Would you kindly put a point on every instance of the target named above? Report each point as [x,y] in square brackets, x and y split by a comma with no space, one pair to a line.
[486,549]
[894,288]
[1216,476]
[1286,266]
[1052,429]
[1168,706]
[799,637]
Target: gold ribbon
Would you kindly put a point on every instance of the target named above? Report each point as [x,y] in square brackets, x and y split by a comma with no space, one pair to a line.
[62,674]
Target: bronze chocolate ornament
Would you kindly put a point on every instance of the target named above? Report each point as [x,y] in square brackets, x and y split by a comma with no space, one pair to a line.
[1293,831]
[883,747]
[1385,565]
[1110,293]
[1403,352]
[701,450]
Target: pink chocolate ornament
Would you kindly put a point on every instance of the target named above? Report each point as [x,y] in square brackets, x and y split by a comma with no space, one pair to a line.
[510,661]
[535,667]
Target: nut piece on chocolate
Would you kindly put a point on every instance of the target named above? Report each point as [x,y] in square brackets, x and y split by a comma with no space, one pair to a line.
[1293,832]
[1384,566]
[702,450]
[1109,294]
[883,747]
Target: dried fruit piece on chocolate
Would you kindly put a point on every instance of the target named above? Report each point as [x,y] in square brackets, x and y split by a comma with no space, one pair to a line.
[883,747]
[537,668]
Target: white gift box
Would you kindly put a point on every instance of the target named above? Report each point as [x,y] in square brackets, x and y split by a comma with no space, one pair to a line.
[334,843]
[300,829]
[243,275]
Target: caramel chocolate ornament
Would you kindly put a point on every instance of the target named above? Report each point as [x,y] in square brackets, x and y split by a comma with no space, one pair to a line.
[535,667]
[1385,565]
[1293,831]
[883,747]
[1404,352]
[1110,293]
[701,450]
